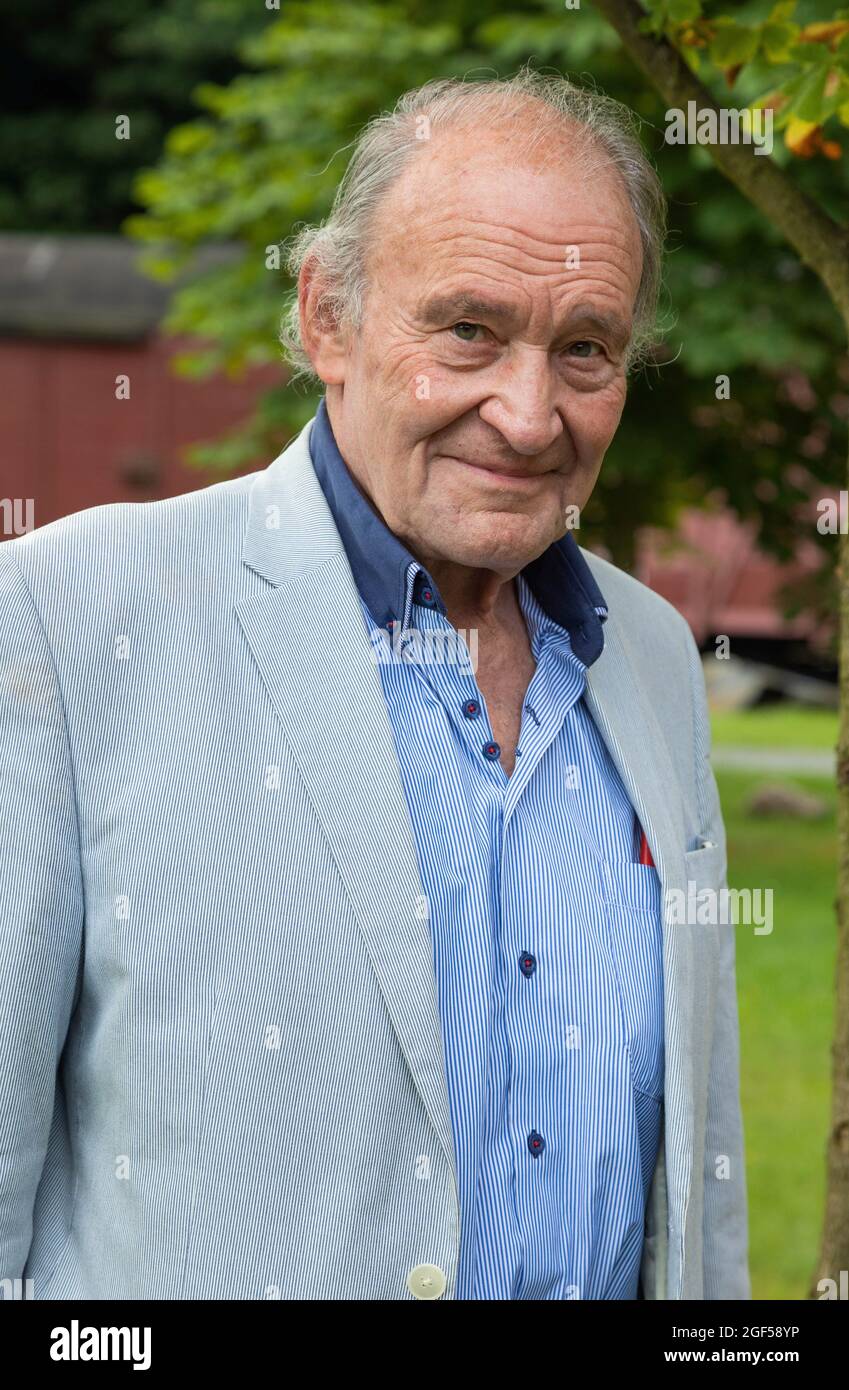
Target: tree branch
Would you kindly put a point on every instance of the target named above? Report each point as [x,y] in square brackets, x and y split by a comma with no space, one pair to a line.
[821,243]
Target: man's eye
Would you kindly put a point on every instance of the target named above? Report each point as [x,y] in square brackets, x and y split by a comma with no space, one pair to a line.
[587,349]
[465,331]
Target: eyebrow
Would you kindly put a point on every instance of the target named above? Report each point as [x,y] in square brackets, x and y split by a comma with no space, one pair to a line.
[451,308]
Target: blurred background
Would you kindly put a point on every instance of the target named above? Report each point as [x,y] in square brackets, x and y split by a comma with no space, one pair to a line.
[154,156]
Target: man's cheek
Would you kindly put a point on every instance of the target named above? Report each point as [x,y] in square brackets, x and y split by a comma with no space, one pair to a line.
[596,419]
[394,360]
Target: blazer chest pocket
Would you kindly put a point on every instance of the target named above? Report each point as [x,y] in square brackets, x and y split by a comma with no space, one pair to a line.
[706,861]
[698,911]
[703,904]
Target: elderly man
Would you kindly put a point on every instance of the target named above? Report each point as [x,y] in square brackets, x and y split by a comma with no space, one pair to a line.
[342,803]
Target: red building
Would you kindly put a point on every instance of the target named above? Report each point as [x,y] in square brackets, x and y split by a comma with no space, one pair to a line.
[90,409]
[711,569]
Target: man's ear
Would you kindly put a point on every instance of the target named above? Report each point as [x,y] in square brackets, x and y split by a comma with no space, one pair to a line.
[321,334]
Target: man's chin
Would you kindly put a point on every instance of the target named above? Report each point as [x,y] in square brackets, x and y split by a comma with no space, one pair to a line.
[505,544]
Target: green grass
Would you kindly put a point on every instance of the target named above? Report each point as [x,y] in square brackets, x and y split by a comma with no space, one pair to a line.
[776,726]
[785,987]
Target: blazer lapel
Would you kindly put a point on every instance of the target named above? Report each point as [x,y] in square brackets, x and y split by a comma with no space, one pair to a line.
[308,638]
[626,721]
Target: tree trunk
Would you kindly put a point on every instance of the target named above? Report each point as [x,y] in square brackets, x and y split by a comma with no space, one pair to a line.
[823,245]
[834,1249]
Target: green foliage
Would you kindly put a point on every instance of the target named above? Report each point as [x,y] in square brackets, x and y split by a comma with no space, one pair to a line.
[67,71]
[662,14]
[806,47]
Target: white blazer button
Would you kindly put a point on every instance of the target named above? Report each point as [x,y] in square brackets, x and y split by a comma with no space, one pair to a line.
[426,1281]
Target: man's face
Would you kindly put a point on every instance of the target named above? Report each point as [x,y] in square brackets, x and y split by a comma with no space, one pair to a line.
[476,402]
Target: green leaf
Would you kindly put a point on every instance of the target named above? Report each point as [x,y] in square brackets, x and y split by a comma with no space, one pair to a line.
[732,44]
[777,41]
[680,11]
[664,13]
[811,54]
[788,90]
[188,139]
[832,104]
[808,102]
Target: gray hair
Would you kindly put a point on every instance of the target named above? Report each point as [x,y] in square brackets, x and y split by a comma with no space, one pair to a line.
[387,145]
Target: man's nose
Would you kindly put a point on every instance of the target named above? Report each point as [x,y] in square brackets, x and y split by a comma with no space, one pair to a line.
[522,407]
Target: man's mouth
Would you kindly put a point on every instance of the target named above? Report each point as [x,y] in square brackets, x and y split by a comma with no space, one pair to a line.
[503,477]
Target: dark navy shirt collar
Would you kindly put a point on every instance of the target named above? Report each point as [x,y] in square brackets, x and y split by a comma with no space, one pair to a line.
[560,579]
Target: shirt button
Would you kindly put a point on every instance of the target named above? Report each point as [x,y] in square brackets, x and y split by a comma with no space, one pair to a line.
[426,1281]
[471,709]
[426,596]
[491,751]
[527,964]
[536,1143]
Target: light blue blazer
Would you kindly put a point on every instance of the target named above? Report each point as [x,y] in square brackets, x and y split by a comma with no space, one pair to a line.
[221,1071]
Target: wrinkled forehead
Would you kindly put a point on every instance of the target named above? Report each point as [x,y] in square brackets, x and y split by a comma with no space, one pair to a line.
[472,195]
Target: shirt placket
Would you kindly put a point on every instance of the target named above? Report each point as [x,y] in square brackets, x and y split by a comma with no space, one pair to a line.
[556,686]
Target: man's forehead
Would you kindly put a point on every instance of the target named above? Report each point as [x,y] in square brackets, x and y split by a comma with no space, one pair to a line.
[484,264]
[449,199]
[461,162]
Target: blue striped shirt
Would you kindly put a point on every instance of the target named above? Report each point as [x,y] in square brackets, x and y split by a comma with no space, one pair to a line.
[546,931]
